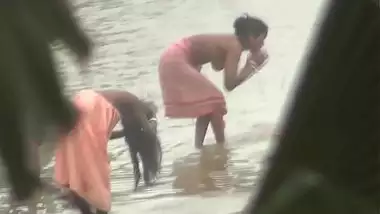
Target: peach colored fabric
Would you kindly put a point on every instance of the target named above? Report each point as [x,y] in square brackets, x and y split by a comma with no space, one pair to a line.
[186,92]
[81,160]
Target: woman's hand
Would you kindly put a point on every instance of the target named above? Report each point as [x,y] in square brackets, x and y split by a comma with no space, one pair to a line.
[257,59]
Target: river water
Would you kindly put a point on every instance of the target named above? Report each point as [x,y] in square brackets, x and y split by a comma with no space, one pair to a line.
[129,37]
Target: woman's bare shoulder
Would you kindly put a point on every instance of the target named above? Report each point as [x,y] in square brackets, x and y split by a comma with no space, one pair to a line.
[228,42]
[209,38]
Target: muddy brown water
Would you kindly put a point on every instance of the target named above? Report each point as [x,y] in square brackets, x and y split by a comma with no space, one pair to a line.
[129,37]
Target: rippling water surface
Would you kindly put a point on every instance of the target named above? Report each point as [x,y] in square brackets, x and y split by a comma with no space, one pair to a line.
[129,37]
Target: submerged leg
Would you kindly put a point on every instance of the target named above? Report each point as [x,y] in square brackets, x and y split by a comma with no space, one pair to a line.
[201,126]
[217,125]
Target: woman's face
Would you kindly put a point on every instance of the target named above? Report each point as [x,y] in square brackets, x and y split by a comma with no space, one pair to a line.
[255,44]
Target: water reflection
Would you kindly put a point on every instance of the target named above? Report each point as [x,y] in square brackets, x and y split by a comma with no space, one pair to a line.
[40,203]
[203,171]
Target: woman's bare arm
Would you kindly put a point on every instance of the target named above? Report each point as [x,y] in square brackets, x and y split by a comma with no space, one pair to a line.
[230,70]
[117,134]
[233,78]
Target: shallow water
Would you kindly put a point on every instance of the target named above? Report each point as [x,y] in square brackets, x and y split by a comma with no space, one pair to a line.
[130,35]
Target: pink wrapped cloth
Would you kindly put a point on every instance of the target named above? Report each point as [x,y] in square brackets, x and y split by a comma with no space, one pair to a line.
[81,160]
[186,92]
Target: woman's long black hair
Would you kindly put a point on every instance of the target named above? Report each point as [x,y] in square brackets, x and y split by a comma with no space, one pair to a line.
[143,141]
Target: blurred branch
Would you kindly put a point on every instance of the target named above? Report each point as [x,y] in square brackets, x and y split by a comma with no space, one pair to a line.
[31,92]
[332,126]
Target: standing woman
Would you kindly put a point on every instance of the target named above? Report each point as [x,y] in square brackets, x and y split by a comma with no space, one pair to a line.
[81,161]
[189,94]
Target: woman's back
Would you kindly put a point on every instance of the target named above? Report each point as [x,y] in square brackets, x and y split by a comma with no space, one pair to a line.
[206,48]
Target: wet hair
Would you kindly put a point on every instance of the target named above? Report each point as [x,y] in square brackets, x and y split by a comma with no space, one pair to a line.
[152,107]
[146,146]
[247,25]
